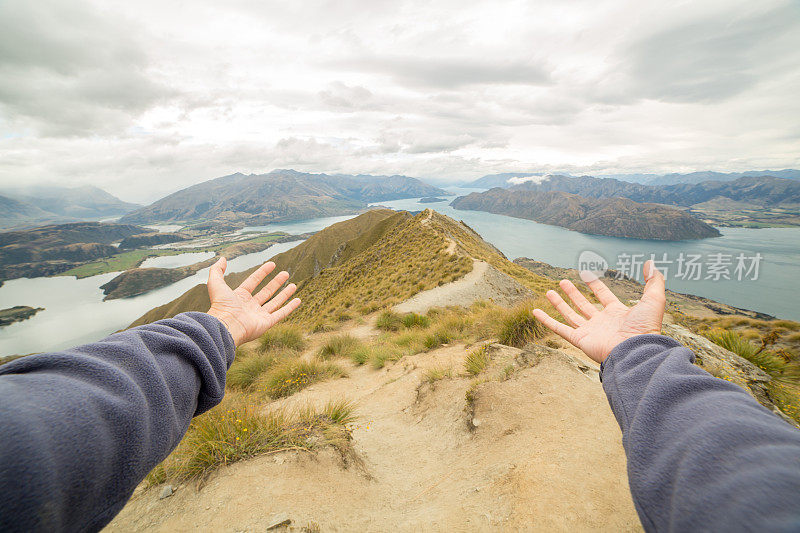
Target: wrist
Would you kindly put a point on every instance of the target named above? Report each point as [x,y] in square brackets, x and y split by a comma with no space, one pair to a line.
[230,322]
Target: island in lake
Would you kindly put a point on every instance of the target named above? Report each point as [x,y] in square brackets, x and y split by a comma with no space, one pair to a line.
[614,217]
[17,314]
[431,200]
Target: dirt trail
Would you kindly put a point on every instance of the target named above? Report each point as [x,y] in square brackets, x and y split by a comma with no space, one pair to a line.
[539,450]
[484,283]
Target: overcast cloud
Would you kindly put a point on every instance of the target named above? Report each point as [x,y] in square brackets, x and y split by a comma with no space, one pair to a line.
[143,98]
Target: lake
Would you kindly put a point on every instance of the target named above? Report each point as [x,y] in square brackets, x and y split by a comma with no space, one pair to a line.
[773,292]
[75,312]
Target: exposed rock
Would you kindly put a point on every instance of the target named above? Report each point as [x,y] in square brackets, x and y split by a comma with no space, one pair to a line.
[279,520]
[726,365]
[166,492]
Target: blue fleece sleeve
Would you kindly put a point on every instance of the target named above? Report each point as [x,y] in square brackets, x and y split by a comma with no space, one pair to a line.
[702,453]
[81,428]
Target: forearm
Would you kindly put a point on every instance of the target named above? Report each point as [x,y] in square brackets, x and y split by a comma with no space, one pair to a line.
[702,453]
[81,428]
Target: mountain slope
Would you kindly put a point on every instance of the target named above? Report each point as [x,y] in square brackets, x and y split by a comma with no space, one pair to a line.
[18,213]
[369,262]
[281,195]
[616,217]
[41,204]
[57,248]
[765,190]
[75,202]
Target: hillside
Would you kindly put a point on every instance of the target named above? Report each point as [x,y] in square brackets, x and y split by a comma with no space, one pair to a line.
[42,204]
[501,180]
[16,213]
[615,217]
[497,424]
[56,248]
[343,269]
[281,195]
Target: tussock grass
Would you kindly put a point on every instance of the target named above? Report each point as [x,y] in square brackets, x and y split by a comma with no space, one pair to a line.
[339,346]
[767,360]
[733,342]
[518,327]
[245,371]
[389,321]
[476,360]
[433,375]
[381,353]
[283,337]
[415,320]
[237,429]
[294,375]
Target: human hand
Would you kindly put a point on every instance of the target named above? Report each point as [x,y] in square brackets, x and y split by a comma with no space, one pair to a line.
[248,316]
[596,331]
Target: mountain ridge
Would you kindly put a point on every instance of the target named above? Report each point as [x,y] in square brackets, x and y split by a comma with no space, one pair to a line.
[278,196]
[614,217]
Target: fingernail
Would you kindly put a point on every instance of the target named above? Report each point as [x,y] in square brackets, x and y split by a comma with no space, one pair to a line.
[649,270]
[588,276]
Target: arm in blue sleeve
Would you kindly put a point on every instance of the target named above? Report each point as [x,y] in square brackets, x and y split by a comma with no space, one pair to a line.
[702,453]
[79,429]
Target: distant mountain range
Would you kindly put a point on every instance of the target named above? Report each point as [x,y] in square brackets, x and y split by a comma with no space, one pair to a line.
[506,179]
[615,217]
[31,206]
[765,190]
[281,195]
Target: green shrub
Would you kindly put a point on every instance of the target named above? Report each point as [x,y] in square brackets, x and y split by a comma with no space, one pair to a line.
[476,360]
[339,346]
[283,336]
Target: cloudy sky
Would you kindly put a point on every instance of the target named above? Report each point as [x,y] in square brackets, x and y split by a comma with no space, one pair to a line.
[143,98]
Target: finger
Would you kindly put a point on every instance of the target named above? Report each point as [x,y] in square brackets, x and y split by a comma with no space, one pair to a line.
[563,330]
[280,299]
[573,318]
[216,278]
[599,288]
[257,277]
[284,311]
[584,305]
[654,283]
[274,284]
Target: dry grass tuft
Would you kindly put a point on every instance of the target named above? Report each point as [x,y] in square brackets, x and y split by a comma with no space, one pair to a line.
[237,429]
[245,370]
[476,360]
[283,337]
[294,375]
[339,346]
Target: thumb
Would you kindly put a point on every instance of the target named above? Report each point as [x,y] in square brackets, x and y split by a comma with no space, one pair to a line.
[216,278]
[654,284]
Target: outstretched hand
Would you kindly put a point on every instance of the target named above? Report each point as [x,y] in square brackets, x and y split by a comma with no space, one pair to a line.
[246,315]
[597,331]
